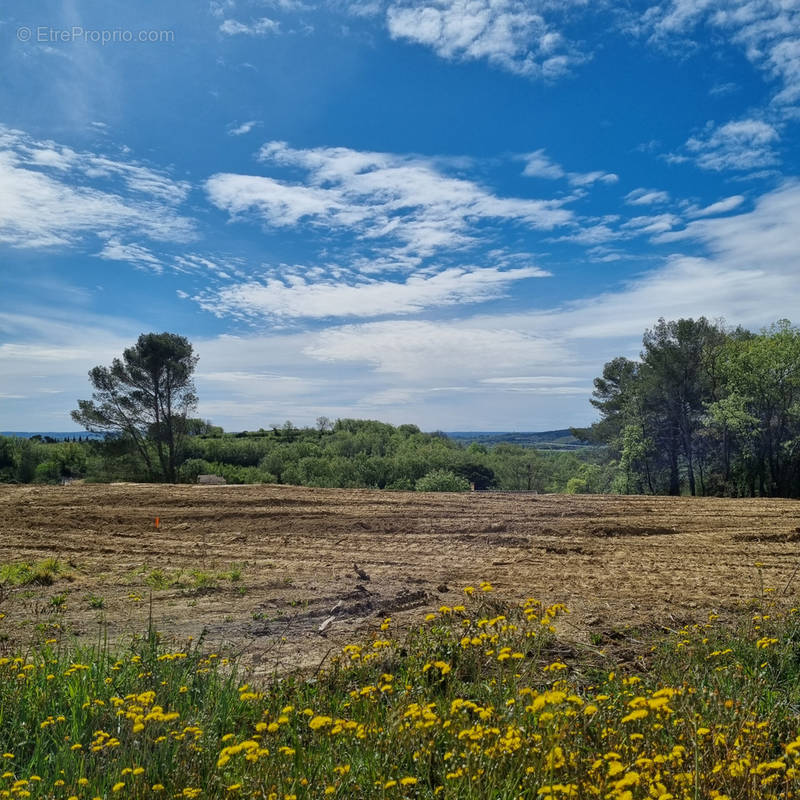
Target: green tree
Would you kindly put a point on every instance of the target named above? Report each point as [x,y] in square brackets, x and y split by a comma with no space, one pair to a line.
[146,397]
[676,385]
[442,480]
[478,475]
[762,408]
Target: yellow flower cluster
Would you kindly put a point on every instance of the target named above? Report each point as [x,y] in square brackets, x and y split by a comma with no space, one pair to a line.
[479,703]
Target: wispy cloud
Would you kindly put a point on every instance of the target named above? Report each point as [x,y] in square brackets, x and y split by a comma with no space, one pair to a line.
[416,349]
[243,128]
[588,178]
[521,37]
[531,380]
[646,197]
[377,197]
[53,195]
[720,207]
[301,298]
[539,165]
[765,236]
[741,145]
[115,250]
[722,89]
[651,223]
[219,8]
[766,31]
[256,27]
[747,274]
[450,373]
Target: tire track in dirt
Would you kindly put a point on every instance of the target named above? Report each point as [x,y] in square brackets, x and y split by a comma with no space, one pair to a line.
[620,560]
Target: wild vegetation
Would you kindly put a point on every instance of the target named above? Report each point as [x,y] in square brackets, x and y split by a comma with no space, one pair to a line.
[342,454]
[482,700]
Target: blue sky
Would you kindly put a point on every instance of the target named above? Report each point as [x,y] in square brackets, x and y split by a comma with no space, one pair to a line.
[447,212]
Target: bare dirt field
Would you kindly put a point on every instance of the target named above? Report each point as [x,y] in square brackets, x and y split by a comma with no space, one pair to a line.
[258,569]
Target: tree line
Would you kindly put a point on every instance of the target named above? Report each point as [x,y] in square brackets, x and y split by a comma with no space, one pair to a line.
[706,410]
[345,453]
[144,404]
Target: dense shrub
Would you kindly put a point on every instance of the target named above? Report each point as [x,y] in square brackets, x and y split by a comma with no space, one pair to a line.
[442,480]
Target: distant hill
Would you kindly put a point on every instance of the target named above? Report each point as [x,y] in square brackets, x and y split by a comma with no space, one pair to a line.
[542,440]
[58,435]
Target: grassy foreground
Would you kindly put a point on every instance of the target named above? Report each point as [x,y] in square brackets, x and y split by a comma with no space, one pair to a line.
[473,704]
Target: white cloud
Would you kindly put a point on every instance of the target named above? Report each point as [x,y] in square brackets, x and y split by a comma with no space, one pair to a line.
[44,209]
[766,30]
[221,267]
[720,207]
[722,89]
[646,197]
[299,298]
[256,27]
[591,234]
[49,197]
[764,238]
[20,149]
[530,380]
[115,250]
[749,276]
[45,360]
[588,178]
[528,370]
[138,178]
[516,35]
[289,5]
[245,127]
[655,223]
[539,165]
[281,204]
[377,196]
[60,158]
[540,384]
[742,145]
[469,349]
[686,287]
[218,8]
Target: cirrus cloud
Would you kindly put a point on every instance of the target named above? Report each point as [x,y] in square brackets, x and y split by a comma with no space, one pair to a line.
[298,298]
[377,196]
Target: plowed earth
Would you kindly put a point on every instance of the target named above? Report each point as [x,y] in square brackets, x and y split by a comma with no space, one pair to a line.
[619,563]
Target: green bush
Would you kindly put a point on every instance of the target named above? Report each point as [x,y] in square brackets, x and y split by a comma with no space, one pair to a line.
[193,467]
[577,486]
[47,472]
[442,480]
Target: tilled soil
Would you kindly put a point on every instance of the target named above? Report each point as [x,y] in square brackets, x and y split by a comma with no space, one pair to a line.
[616,562]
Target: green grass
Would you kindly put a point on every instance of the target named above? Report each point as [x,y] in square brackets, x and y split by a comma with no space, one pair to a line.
[42,573]
[195,579]
[475,703]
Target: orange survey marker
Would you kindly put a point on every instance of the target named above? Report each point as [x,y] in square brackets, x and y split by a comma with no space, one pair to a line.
[158,523]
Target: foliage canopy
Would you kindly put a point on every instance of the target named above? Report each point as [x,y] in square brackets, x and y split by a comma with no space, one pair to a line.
[145,397]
